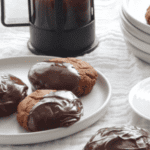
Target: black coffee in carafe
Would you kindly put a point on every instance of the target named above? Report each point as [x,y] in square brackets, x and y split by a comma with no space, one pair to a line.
[76,13]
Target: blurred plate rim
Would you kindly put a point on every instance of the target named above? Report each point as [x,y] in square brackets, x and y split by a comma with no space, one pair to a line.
[132,20]
[130,99]
[135,41]
[145,37]
[138,53]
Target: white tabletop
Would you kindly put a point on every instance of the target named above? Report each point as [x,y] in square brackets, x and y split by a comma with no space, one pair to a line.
[111,57]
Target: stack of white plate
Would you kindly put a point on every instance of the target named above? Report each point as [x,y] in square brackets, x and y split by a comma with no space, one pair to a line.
[135,28]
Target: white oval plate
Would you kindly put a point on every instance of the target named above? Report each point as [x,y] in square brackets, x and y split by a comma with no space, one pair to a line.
[133,30]
[135,11]
[139,98]
[94,104]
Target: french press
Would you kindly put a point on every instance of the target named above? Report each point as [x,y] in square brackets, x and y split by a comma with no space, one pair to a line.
[64,28]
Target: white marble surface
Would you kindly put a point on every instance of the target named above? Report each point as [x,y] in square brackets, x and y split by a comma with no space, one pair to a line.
[112,57]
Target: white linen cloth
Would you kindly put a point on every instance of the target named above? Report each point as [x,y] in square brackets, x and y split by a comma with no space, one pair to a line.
[111,57]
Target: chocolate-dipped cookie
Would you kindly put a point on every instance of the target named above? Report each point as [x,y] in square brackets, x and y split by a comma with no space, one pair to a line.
[49,109]
[12,91]
[63,74]
[119,138]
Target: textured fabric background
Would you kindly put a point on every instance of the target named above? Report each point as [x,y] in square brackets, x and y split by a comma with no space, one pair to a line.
[112,58]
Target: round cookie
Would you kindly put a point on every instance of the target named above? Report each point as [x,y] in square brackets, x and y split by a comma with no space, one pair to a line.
[48,109]
[119,138]
[147,15]
[85,76]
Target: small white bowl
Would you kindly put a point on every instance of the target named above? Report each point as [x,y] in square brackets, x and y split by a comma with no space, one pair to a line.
[139,98]
[138,53]
[145,47]
[133,30]
[135,11]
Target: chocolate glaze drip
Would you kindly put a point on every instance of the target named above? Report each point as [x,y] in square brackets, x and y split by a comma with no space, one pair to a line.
[119,138]
[56,109]
[12,91]
[52,75]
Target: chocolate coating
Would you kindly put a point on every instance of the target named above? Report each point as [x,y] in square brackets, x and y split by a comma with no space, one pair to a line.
[56,109]
[119,138]
[51,75]
[12,91]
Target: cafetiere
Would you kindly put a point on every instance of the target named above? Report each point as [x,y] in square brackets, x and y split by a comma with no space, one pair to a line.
[64,28]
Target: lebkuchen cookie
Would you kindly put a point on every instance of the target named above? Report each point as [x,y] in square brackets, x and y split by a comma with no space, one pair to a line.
[119,138]
[49,109]
[63,74]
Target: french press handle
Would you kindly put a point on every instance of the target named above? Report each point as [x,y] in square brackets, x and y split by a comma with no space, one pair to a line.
[58,13]
[12,25]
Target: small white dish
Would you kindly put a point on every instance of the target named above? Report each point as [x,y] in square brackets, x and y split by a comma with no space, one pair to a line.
[139,98]
[145,47]
[135,11]
[133,30]
[138,53]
